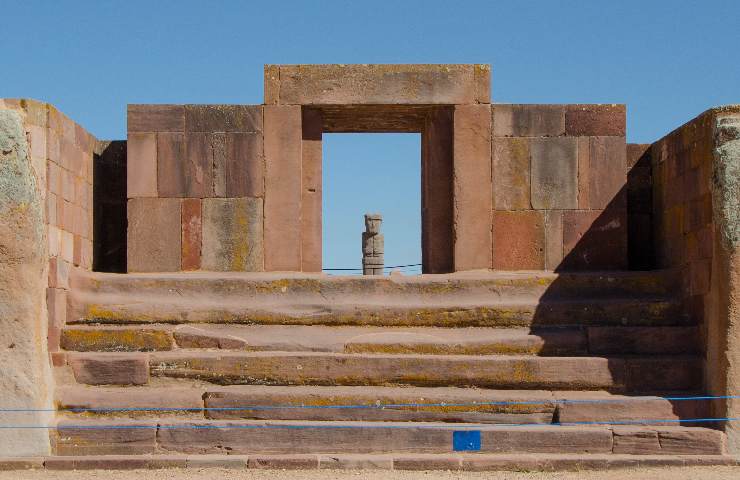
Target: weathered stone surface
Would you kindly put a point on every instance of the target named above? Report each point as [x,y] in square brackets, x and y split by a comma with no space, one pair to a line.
[192,233]
[223,118]
[356,462]
[595,120]
[110,369]
[434,370]
[528,120]
[518,240]
[156,118]
[579,407]
[197,166]
[436,193]
[26,379]
[554,173]
[553,238]
[73,437]
[511,174]
[594,239]
[377,84]
[692,441]
[232,234]
[283,192]
[607,172]
[172,172]
[311,235]
[141,167]
[238,164]
[138,400]
[115,340]
[547,439]
[636,441]
[292,462]
[664,373]
[154,235]
[472,187]
[647,340]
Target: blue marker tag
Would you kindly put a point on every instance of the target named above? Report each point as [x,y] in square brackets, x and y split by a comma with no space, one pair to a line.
[466,440]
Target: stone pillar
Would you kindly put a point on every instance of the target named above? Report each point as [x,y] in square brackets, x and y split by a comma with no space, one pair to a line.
[372,245]
[25,381]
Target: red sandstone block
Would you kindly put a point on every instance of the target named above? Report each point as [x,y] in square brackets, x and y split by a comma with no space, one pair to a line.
[54,178]
[75,437]
[223,118]
[54,241]
[511,174]
[58,359]
[691,441]
[607,171]
[191,233]
[282,223]
[198,166]
[154,235]
[77,255]
[37,141]
[68,185]
[51,209]
[472,187]
[356,462]
[238,165]
[645,340]
[594,240]
[232,462]
[110,369]
[311,191]
[58,273]
[554,177]
[427,462]
[698,213]
[141,161]
[528,120]
[700,277]
[171,165]
[156,118]
[553,238]
[636,441]
[67,252]
[56,304]
[663,374]
[518,240]
[283,462]
[595,120]
[544,439]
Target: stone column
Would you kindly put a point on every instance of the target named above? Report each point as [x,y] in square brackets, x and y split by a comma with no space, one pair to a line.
[25,380]
[372,245]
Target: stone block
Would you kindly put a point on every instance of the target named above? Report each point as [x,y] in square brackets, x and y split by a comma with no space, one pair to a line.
[238,164]
[691,441]
[56,304]
[154,235]
[283,179]
[643,340]
[54,241]
[74,437]
[607,120]
[436,192]
[58,273]
[223,118]
[607,171]
[198,166]
[110,369]
[171,165]
[594,239]
[115,340]
[232,234]
[191,233]
[554,177]
[553,238]
[576,407]
[427,462]
[543,439]
[283,462]
[664,374]
[67,252]
[156,118]
[511,174]
[528,120]
[472,187]
[377,84]
[311,239]
[518,240]
[636,441]
[356,462]
[141,165]
[51,209]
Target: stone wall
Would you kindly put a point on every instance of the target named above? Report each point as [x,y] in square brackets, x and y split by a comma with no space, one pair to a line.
[559,181]
[195,188]
[696,179]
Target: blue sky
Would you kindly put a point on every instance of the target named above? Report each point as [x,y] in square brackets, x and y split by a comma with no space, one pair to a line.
[668,61]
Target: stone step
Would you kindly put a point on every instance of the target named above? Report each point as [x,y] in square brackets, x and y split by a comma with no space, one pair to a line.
[417,404]
[484,299]
[630,374]
[120,436]
[546,341]
[449,462]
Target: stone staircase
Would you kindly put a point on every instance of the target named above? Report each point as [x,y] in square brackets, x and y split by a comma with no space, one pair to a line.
[300,364]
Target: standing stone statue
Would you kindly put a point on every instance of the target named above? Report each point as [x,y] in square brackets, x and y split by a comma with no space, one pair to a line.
[372,245]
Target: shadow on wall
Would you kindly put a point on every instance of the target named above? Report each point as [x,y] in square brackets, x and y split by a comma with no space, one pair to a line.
[635,322]
[109,207]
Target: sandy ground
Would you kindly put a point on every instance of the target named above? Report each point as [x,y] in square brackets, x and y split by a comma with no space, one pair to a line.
[694,473]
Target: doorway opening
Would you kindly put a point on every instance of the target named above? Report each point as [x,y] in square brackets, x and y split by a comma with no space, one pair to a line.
[371,173]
